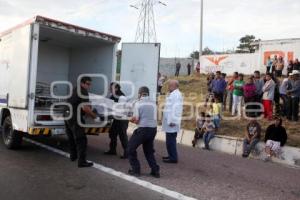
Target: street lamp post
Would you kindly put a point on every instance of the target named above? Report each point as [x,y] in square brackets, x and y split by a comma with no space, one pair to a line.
[201,29]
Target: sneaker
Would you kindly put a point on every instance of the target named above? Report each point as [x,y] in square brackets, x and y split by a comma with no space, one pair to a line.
[134,173]
[170,161]
[165,158]
[110,153]
[245,155]
[123,157]
[85,164]
[267,159]
[155,174]
[73,157]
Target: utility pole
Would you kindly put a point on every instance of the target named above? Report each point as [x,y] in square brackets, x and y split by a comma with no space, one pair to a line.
[201,29]
[146,30]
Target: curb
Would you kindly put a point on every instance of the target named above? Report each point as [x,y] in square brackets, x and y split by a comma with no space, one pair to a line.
[231,145]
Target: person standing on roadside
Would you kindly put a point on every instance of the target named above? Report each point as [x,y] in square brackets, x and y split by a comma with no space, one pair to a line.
[178,66]
[172,120]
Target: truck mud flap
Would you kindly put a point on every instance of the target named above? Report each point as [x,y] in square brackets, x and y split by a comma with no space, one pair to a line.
[39,131]
[96,131]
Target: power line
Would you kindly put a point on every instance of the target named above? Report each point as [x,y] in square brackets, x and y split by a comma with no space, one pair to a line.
[146,30]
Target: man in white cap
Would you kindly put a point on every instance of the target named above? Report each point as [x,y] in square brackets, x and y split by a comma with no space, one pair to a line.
[294,96]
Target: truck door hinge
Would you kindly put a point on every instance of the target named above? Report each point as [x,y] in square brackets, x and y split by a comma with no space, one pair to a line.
[35,36]
[31,95]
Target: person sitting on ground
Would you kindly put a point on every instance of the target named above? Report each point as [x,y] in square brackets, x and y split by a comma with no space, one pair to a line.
[252,137]
[198,131]
[209,131]
[275,138]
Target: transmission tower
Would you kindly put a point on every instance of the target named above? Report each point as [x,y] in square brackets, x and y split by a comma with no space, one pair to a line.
[146,31]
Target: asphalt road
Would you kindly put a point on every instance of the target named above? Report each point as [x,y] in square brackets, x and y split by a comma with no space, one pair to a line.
[33,172]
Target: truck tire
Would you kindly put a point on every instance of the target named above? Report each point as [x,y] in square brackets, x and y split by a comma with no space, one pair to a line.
[12,139]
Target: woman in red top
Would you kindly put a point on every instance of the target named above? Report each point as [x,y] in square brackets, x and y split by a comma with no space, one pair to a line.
[249,96]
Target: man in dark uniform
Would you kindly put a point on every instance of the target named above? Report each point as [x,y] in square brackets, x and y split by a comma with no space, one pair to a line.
[119,126]
[145,116]
[76,135]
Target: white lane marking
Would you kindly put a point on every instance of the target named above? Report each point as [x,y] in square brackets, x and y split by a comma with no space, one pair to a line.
[121,175]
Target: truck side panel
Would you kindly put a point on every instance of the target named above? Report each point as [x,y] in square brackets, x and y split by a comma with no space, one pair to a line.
[18,67]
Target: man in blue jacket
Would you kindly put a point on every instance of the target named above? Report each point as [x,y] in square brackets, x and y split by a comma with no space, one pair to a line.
[219,86]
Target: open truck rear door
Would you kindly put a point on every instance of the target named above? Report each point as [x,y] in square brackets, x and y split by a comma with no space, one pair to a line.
[139,67]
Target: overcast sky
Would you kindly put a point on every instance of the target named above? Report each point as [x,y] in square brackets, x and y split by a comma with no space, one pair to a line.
[225,21]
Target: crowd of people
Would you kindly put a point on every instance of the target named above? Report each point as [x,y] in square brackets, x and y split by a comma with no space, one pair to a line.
[272,95]
[269,93]
[276,65]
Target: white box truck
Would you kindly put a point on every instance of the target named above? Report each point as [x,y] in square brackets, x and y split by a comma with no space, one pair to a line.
[42,57]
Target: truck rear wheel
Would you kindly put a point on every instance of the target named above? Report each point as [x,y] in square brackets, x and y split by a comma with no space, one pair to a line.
[12,139]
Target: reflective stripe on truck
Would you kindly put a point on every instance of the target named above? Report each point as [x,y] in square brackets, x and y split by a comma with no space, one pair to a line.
[39,131]
[88,131]
[96,131]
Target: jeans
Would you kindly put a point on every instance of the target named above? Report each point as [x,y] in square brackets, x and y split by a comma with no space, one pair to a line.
[230,99]
[207,137]
[145,137]
[171,146]
[284,107]
[248,147]
[236,107]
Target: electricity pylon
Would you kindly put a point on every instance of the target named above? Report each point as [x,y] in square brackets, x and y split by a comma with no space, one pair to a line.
[146,30]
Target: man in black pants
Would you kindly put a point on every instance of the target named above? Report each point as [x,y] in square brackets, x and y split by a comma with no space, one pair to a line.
[145,116]
[294,97]
[119,126]
[75,132]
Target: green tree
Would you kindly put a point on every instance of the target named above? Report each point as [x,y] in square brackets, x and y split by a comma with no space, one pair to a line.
[195,55]
[206,51]
[248,44]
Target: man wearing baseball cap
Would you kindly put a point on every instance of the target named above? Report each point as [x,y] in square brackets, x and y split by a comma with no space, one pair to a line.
[294,96]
